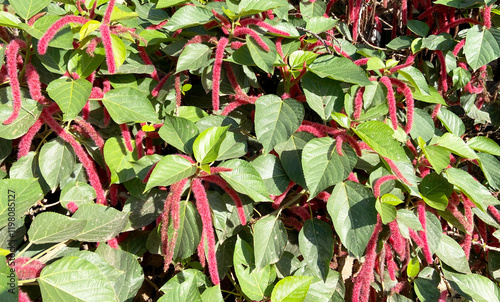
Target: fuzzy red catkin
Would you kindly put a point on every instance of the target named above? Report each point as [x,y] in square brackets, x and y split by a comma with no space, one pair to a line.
[232,78]
[269,27]
[107,14]
[391,101]
[72,207]
[362,61]
[108,48]
[389,259]
[352,177]
[158,87]
[358,103]
[240,31]
[398,241]
[219,55]
[89,129]
[178,94]
[278,199]
[380,181]
[423,234]
[147,61]
[443,295]
[87,163]
[92,46]
[25,143]
[409,62]
[226,25]
[487,16]
[458,47]
[126,137]
[494,212]
[11,58]
[206,217]
[338,145]
[365,276]
[201,250]
[410,103]
[28,271]
[455,23]
[113,243]
[216,179]
[396,171]
[435,111]
[139,136]
[43,44]
[33,80]
[443,73]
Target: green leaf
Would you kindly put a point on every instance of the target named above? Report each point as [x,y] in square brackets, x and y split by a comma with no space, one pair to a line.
[8,289]
[451,122]
[270,239]
[478,193]
[451,253]
[245,179]
[129,277]
[9,20]
[179,132]
[28,114]
[473,287]
[352,208]
[144,209]
[425,128]
[459,3]
[84,64]
[252,7]
[183,286]
[320,24]
[212,294]
[323,166]
[437,156]
[291,289]
[434,96]
[387,212]
[169,3]
[194,56]
[118,159]
[339,68]
[480,47]
[443,42]
[272,173]
[417,79]
[426,285]
[290,153]
[491,169]
[71,95]
[378,136]
[77,192]
[254,283]
[322,94]
[28,8]
[276,120]
[297,58]
[413,267]
[59,282]
[316,246]
[129,104]
[435,191]
[262,58]
[170,169]
[375,63]
[418,27]
[103,223]
[455,144]
[50,227]
[320,290]
[401,42]
[484,144]
[206,146]
[188,16]
[407,219]
[24,192]
[57,162]
[312,9]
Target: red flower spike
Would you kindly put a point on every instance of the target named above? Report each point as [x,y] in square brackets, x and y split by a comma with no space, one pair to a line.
[201,250]
[11,58]
[487,16]
[389,259]
[177,86]
[157,26]
[138,143]
[410,103]
[33,80]
[358,103]
[328,8]
[409,62]
[404,11]
[107,14]
[113,243]
[443,73]
[312,130]
[25,143]
[396,171]
[398,241]
[456,23]
[423,234]
[92,46]
[241,31]
[361,289]
[226,25]
[126,137]
[362,61]
[108,48]
[338,145]
[380,181]
[216,179]
[86,111]
[352,177]
[43,44]
[206,217]
[278,199]
[219,55]
[89,129]
[443,295]
[87,163]
[147,61]
[494,212]
[28,271]
[414,236]
[391,101]
[72,207]
[23,297]
[458,47]
[269,27]
[158,87]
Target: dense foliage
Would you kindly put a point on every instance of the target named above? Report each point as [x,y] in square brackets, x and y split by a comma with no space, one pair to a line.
[249,150]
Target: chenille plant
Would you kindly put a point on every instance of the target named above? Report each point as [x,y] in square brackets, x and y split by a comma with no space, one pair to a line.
[249,150]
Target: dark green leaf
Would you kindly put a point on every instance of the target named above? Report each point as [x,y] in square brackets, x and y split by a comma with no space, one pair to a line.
[170,169]
[322,94]
[270,238]
[339,68]
[316,245]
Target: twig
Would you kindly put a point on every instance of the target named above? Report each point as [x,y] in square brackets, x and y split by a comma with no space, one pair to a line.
[330,52]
